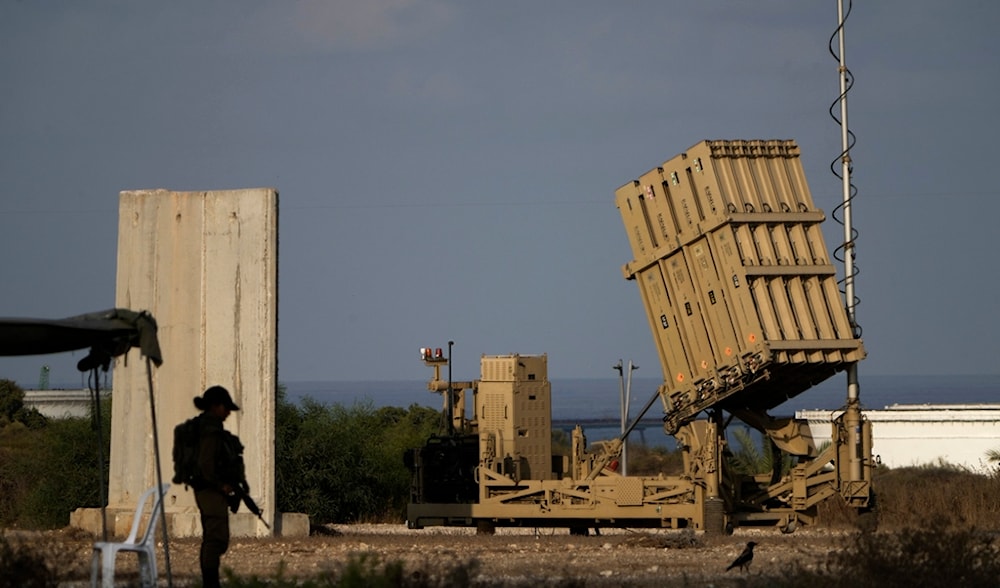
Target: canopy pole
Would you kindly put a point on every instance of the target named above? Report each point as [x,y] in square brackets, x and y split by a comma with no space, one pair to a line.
[159,474]
[95,397]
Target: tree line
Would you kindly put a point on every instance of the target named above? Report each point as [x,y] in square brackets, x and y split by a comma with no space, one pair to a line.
[338,464]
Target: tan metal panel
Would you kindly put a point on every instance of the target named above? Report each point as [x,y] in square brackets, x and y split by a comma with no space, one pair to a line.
[740,267]
[692,211]
[690,318]
[648,211]
[833,296]
[662,317]
[515,408]
[714,202]
[715,302]
[793,291]
[662,228]
[739,165]
[513,368]
[630,202]
[682,204]
[787,194]
[733,280]
[731,190]
[765,310]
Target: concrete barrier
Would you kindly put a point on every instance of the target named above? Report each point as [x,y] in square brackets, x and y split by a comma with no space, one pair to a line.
[205,264]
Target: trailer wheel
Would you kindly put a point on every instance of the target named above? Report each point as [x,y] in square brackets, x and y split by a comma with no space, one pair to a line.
[579,531]
[789,525]
[485,527]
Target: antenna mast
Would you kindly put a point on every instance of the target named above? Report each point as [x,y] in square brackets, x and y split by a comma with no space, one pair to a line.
[853,416]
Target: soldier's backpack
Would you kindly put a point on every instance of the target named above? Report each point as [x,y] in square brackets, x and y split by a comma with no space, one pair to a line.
[186,439]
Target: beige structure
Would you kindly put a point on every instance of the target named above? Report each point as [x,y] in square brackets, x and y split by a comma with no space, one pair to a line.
[205,265]
[740,292]
[744,309]
[514,404]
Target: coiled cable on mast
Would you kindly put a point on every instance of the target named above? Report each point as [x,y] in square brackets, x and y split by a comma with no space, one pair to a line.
[845,252]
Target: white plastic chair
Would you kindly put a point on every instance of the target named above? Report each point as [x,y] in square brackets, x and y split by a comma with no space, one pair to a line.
[105,551]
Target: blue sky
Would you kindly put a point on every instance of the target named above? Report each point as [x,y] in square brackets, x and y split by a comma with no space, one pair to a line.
[446,169]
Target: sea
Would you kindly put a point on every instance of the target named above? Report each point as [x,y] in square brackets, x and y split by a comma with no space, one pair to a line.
[599,400]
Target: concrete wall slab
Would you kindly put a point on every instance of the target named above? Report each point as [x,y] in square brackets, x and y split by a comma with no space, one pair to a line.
[205,264]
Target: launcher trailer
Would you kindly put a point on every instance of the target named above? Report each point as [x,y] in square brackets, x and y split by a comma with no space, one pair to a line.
[745,311]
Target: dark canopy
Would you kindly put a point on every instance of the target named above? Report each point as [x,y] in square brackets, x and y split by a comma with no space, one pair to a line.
[108,334]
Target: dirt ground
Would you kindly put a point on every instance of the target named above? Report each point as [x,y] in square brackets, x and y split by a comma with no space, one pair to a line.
[512,557]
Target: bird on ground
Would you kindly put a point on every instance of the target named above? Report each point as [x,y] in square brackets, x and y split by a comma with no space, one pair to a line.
[743,561]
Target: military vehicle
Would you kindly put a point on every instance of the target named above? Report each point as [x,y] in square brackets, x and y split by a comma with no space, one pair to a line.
[745,311]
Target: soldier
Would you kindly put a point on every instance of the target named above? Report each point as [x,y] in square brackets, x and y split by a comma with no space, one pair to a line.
[220,474]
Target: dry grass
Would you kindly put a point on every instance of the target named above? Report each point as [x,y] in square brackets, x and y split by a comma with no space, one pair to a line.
[34,560]
[935,495]
[938,527]
[935,556]
[910,497]
[942,494]
[644,460]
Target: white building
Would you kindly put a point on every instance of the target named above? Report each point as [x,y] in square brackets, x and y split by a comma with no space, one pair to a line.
[61,404]
[918,434]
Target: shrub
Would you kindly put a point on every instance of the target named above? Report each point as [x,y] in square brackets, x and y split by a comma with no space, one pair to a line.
[652,461]
[751,457]
[11,399]
[25,565]
[46,473]
[367,571]
[69,474]
[338,464]
[931,557]
[918,495]
[345,464]
[12,409]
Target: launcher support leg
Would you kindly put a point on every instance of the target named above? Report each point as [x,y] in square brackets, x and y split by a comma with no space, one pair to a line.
[853,422]
[855,446]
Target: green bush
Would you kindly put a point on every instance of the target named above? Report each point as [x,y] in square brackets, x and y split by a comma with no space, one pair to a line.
[47,472]
[70,477]
[338,464]
[345,464]
[12,409]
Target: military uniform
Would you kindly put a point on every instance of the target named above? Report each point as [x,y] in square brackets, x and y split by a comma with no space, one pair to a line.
[221,470]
